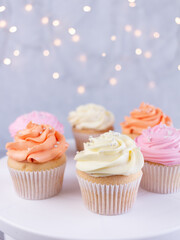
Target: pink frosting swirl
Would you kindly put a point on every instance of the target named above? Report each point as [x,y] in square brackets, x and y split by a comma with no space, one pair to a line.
[160,144]
[36,117]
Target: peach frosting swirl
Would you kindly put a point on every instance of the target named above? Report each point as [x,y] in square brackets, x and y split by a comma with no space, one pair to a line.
[37,143]
[144,117]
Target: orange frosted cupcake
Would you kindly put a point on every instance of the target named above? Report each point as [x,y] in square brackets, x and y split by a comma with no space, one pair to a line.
[36,161]
[145,116]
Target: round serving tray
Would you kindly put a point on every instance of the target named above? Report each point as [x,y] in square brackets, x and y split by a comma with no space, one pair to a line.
[65,216]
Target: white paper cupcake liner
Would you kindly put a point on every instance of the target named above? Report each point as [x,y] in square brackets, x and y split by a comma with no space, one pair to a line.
[38,185]
[160,179]
[109,199]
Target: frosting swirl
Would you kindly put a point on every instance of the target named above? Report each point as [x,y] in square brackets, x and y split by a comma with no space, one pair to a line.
[146,116]
[160,144]
[110,154]
[91,116]
[37,143]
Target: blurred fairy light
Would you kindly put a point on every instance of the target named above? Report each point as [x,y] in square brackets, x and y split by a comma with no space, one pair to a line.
[132,4]
[138,51]
[13,29]
[86,8]
[118,67]
[177,20]
[57,42]
[7,61]
[72,31]
[55,75]
[28,7]
[16,53]
[2,8]
[76,38]
[147,54]
[103,54]
[81,89]
[46,53]
[137,33]
[113,38]
[45,20]
[152,84]
[113,81]
[131,1]
[128,28]
[82,58]
[56,23]
[3,24]
[178,67]
[156,35]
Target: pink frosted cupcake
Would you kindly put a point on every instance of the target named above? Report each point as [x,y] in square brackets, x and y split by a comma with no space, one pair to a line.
[160,146]
[36,117]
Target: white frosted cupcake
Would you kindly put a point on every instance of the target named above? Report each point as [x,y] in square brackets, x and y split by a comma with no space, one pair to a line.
[90,120]
[109,173]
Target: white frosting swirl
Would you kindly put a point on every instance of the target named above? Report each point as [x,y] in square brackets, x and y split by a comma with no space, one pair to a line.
[110,154]
[91,116]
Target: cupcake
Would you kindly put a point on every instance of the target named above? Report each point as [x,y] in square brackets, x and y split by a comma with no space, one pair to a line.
[36,161]
[90,120]
[160,146]
[36,117]
[109,173]
[142,118]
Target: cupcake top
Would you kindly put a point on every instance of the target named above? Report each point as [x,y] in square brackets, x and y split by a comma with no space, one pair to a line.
[160,144]
[37,143]
[91,116]
[146,116]
[110,154]
[36,117]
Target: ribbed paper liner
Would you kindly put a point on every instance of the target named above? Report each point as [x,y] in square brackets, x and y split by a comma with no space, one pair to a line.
[160,179]
[109,199]
[38,185]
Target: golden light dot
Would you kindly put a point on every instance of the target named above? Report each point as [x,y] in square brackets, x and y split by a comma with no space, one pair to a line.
[45,20]
[28,7]
[82,58]
[57,42]
[81,89]
[128,28]
[16,53]
[137,33]
[178,67]
[113,81]
[76,38]
[7,61]
[72,31]
[56,23]
[55,75]
[147,54]
[13,29]
[3,24]
[177,20]
[152,84]
[86,8]
[138,51]
[103,54]
[113,38]
[46,53]
[2,8]
[131,1]
[156,35]
[118,67]
[132,4]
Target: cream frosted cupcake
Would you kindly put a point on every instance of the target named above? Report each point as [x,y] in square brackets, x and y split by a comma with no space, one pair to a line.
[145,116]
[36,161]
[109,173]
[160,146]
[90,120]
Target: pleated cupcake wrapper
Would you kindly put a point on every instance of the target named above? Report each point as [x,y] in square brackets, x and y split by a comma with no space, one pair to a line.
[38,185]
[109,199]
[161,179]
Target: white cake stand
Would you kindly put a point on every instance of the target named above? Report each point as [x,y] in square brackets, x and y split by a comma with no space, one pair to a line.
[154,216]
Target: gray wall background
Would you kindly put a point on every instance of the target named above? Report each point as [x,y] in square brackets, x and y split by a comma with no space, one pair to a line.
[27,83]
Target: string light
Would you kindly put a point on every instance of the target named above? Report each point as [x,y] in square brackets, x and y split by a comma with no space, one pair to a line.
[113,81]
[128,28]
[138,51]
[137,33]
[82,58]
[46,53]
[72,31]
[13,29]
[152,84]
[177,20]
[131,1]
[3,24]
[16,53]
[7,61]
[118,67]
[55,75]
[86,8]
[28,7]
[132,4]
[76,38]
[57,42]
[178,67]
[147,54]
[81,89]
[45,20]
[56,23]
[156,35]
[113,38]
[103,54]
[2,8]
